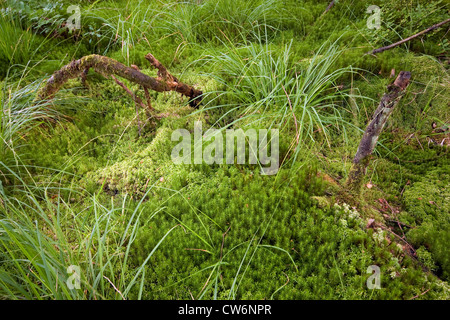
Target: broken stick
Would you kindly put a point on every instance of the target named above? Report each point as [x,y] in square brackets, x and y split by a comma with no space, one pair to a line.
[373,131]
[409,38]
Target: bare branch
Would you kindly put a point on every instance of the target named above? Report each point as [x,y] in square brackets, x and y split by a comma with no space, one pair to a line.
[409,38]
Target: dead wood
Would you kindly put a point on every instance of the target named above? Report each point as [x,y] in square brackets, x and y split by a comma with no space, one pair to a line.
[110,67]
[329,7]
[409,38]
[373,131]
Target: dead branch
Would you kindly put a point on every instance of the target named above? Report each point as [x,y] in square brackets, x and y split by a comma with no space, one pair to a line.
[409,38]
[147,94]
[163,74]
[107,66]
[329,7]
[373,131]
[135,97]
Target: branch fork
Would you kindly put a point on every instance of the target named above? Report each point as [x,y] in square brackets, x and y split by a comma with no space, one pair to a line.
[108,67]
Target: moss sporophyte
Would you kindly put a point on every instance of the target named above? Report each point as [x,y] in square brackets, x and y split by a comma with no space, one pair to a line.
[213,152]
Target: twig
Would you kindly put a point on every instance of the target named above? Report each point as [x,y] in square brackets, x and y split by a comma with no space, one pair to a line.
[396,218]
[409,38]
[136,99]
[147,94]
[329,7]
[83,76]
[115,287]
[421,294]
[162,71]
[398,222]
[403,190]
[373,130]
[138,120]
[223,241]
[414,255]
[191,294]
[134,96]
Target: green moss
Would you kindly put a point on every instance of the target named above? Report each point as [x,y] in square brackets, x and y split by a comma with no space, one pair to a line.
[329,246]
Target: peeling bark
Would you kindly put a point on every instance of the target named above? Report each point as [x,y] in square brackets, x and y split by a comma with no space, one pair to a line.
[373,131]
[107,67]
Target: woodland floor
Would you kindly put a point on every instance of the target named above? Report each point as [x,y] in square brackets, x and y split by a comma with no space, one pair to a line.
[87,179]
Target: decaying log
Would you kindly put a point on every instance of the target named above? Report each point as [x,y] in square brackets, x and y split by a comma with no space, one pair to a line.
[409,38]
[373,131]
[107,67]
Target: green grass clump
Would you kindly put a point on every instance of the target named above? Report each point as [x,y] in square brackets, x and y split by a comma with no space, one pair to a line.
[45,239]
[263,86]
[17,45]
[19,116]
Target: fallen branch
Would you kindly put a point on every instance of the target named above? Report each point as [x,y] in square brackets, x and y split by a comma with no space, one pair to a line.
[409,38]
[107,67]
[373,131]
[136,99]
[147,94]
